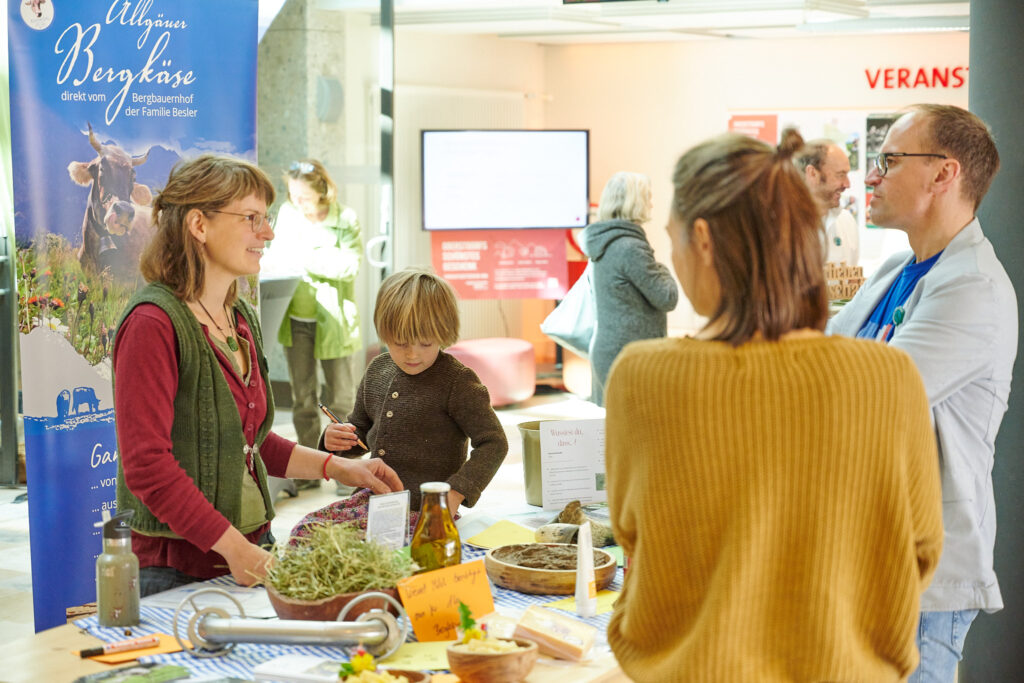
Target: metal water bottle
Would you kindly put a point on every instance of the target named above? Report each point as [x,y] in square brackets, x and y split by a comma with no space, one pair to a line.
[435,542]
[117,574]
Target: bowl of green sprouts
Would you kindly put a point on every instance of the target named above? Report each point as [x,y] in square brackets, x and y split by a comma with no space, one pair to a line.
[313,577]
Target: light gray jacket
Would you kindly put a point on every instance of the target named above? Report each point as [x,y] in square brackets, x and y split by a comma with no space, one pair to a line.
[960,327]
[633,291]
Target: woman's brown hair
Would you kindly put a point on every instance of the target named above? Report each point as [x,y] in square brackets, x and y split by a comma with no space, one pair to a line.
[313,173]
[765,230]
[207,183]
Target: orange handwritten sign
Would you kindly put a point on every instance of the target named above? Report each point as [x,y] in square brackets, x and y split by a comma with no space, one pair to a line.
[432,599]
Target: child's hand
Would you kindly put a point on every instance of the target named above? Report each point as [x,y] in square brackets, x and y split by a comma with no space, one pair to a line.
[340,437]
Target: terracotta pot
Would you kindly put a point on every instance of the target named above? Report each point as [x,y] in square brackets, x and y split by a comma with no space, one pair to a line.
[327,609]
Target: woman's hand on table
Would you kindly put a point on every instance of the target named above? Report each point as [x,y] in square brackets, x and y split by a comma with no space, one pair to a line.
[455,500]
[340,437]
[247,562]
[373,474]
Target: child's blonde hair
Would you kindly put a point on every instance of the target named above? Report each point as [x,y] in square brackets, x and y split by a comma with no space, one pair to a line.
[415,305]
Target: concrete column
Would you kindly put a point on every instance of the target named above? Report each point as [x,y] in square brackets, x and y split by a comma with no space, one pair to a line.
[319,97]
[994,649]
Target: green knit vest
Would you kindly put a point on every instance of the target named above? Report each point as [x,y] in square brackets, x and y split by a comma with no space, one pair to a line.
[207,429]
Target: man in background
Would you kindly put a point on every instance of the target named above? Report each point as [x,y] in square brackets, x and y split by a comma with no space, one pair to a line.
[950,305]
[826,170]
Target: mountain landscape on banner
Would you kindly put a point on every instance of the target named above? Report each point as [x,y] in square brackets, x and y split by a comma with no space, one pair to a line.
[43,346]
[66,200]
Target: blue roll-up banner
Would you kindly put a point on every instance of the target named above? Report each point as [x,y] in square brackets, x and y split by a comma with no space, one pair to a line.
[106,95]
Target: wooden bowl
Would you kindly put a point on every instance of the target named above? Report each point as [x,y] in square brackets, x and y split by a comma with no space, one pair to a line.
[543,581]
[327,609]
[411,676]
[493,667]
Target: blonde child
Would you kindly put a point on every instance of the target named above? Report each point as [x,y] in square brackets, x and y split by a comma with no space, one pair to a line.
[417,407]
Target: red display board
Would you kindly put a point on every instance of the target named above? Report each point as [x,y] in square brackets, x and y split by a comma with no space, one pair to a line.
[764,127]
[502,264]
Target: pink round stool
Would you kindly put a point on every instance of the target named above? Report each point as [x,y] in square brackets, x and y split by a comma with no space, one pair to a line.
[506,366]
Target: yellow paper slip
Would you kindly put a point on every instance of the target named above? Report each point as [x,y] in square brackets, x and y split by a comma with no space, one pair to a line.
[420,656]
[502,533]
[605,600]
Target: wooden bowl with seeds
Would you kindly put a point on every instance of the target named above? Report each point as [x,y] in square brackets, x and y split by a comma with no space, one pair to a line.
[544,568]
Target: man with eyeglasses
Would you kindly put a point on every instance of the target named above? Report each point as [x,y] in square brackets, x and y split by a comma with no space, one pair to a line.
[826,170]
[950,305]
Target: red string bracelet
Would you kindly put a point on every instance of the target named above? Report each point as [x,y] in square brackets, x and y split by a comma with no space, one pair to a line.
[327,460]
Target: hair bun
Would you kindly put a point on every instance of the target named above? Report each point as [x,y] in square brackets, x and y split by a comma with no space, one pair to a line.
[790,142]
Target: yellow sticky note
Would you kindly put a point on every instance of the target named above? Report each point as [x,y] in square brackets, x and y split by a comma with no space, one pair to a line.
[502,533]
[420,656]
[605,600]
[431,599]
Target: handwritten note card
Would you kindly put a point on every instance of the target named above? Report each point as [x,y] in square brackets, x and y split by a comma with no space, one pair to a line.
[432,599]
[572,462]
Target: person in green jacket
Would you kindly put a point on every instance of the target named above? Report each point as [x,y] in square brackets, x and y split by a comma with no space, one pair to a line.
[320,236]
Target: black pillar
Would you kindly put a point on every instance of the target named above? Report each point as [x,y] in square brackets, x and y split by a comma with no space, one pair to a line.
[995,644]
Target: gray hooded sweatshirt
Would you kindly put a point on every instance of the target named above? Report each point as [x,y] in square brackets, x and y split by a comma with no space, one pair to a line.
[634,293]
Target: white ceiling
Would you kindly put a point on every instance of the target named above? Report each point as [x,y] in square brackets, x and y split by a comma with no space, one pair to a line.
[553,22]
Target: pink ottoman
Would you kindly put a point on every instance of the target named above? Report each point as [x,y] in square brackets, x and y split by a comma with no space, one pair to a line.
[505,366]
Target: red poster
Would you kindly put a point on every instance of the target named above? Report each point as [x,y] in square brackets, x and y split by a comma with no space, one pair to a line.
[764,127]
[502,264]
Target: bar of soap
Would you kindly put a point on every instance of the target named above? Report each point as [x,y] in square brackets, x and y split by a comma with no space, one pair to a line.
[556,635]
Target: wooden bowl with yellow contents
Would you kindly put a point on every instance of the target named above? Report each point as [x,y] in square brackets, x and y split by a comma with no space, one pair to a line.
[409,676]
[492,667]
[544,568]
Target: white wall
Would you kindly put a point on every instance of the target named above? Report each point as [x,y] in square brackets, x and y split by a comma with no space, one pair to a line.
[463,82]
[647,103]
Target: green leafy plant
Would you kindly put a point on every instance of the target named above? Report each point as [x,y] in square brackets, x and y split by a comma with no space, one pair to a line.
[334,559]
[467,625]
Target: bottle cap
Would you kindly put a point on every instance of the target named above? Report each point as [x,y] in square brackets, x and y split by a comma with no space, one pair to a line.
[435,487]
[117,526]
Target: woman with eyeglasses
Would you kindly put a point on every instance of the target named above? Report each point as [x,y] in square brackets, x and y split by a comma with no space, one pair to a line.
[320,239]
[190,388]
[777,490]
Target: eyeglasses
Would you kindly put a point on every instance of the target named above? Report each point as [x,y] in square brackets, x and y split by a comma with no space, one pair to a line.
[303,167]
[256,220]
[882,160]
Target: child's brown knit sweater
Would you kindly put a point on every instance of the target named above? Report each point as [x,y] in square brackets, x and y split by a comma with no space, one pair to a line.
[420,425]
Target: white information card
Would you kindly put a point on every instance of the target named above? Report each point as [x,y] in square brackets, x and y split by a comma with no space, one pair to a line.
[387,519]
[572,462]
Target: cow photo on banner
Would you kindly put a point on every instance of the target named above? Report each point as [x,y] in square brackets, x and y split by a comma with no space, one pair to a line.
[106,96]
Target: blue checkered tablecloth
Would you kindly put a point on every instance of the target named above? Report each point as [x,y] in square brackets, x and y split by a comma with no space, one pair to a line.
[240,661]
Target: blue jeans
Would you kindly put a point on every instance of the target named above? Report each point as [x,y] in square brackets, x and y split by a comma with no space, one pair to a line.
[940,640]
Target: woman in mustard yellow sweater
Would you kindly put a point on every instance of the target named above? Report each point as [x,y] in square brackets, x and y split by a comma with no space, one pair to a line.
[777,490]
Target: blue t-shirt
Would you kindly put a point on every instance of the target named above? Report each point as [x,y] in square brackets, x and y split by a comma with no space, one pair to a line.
[888,313]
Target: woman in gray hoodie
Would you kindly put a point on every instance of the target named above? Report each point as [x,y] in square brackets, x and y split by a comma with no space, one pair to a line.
[634,292]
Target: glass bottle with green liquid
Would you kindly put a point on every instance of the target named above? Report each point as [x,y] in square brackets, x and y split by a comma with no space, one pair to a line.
[435,542]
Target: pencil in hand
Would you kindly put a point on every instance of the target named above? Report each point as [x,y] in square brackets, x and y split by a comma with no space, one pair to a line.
[334,418]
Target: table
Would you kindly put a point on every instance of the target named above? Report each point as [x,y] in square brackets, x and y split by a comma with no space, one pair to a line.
[46,656]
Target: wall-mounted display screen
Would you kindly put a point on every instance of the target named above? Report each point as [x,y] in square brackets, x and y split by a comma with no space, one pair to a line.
[495,179]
